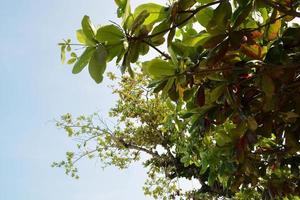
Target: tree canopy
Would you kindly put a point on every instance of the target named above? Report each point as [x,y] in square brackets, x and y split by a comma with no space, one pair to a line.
[219,101]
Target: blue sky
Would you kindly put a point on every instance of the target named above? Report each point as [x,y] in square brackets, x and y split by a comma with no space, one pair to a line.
[35,88]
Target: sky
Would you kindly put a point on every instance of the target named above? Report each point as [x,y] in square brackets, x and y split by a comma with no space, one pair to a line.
[36,88]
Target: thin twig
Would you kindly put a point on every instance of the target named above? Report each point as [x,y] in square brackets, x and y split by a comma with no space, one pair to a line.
[154,47]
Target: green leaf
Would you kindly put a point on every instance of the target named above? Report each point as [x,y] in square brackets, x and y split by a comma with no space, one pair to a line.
[212,178]
[71,61]
[204,166]
[83,60]
[110,35]
[114,50]
[97,64]
[220,19]
[121,3]
[63,53]
[196,40]
[215,94]
[199,111]
[160,28]
[157,13]
[168,86]
[139,20]
[83,39]
[222,138]
[159,68]
[88,28]
[204,16]
[173,56]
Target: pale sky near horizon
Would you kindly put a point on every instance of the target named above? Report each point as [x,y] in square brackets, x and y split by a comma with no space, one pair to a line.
[36,88]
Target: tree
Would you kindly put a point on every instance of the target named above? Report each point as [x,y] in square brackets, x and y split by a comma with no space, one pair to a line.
[219,104]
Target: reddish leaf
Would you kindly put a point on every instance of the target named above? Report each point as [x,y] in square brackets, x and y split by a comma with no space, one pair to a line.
[255,34]
[252,51]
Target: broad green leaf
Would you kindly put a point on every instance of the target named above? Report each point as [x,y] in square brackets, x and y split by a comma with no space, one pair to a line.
[156,11]
[88,28]
[160,31]
[221,18]
[222,138]
[168,86]
[114,50]
[215,94]
[204,166]
[139,20]
[134,51]
[110,35]
[199,111]
[186,51]
[83,39]
[83,60]
[204,16]
[159,68]
[97,64]
[197,40]
[173,56]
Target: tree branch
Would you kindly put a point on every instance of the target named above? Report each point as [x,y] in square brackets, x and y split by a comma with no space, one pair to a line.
[194,12]
[281,8]
[159,51]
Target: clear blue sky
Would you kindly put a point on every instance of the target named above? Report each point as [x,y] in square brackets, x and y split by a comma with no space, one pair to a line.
[36,88]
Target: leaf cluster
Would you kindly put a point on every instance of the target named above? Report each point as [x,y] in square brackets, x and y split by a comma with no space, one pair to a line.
[220,103]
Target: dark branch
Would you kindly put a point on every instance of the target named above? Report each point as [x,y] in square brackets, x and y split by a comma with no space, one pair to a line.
[159,51]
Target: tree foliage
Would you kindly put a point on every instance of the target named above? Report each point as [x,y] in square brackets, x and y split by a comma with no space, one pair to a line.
[220,103]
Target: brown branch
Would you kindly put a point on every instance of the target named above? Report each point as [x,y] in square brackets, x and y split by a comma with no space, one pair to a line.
[135,147]
[194,12]
[83,155]
[159,51]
